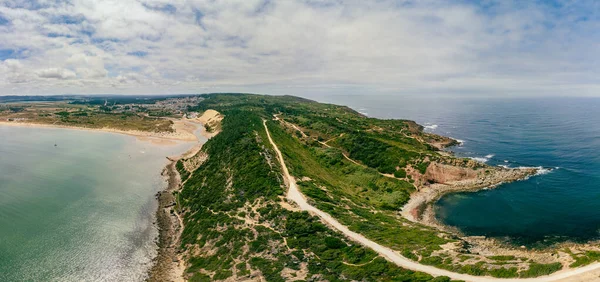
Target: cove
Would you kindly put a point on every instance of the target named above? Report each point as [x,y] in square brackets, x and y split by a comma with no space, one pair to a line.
[560,134]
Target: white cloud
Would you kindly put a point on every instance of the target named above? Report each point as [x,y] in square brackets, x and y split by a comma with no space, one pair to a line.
[298,47]
[56,73]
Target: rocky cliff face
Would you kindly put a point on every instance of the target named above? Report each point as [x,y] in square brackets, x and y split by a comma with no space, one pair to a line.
[443,173]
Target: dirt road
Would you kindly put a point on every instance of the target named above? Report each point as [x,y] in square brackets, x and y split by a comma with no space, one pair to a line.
[587,273]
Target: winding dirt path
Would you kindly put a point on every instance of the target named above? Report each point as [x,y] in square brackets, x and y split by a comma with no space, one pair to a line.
[586,273]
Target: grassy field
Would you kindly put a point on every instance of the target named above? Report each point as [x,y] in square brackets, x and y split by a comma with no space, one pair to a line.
[82,115]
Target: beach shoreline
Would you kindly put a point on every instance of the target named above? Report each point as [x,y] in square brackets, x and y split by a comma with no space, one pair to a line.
[180,134]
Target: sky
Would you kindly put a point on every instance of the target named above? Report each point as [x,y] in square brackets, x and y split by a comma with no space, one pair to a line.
[304,47]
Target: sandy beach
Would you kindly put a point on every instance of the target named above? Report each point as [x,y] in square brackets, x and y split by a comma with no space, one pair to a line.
[184,131]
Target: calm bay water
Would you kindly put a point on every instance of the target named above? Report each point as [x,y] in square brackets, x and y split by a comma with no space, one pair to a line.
[558,133]
[81,210]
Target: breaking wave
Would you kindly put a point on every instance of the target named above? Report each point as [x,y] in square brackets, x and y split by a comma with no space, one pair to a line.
[540,169]
[543,170]
[483,159]
[430,126]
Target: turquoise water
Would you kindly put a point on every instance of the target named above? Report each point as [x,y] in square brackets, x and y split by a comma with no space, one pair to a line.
[79,211]
[560,134]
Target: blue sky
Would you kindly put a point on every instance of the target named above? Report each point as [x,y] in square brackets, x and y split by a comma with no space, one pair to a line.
[304,47]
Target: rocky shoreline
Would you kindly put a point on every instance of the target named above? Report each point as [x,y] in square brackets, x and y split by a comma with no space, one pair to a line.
[420,206]
[168,264]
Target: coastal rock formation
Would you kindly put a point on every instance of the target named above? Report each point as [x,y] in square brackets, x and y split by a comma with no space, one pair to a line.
[443,173]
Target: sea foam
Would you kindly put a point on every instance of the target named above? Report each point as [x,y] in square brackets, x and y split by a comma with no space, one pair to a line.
[430,126]
[479,159]
[483,159]
[540,169]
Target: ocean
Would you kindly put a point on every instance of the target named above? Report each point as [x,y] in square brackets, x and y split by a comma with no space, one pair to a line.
[562,135]
[82,210]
